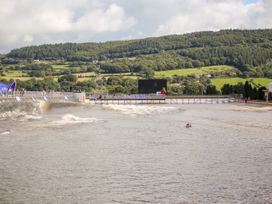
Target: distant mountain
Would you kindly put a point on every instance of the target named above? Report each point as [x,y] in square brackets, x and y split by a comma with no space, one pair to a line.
[245,49]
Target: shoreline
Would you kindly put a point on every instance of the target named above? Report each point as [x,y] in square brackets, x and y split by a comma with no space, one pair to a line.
[264,103]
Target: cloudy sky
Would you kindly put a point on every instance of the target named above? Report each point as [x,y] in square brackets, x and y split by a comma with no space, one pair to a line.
[32,22]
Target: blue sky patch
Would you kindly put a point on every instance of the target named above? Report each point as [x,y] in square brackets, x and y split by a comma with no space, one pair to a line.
[249,1]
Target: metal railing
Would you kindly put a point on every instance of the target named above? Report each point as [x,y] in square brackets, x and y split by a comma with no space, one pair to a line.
[153,99]
[33,96]
[127,97]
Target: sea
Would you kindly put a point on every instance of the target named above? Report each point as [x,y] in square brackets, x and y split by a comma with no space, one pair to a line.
[133,154]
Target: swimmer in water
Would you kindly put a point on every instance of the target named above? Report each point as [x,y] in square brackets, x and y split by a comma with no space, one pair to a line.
[188,125]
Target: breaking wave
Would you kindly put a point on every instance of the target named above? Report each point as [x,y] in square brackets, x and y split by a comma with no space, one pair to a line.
[6,132]
[139,109]
[69,119]
[23,111]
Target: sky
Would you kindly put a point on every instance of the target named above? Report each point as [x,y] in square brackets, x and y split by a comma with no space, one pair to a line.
[35,22]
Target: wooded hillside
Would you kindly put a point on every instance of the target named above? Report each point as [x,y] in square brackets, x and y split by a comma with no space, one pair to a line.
[248,50]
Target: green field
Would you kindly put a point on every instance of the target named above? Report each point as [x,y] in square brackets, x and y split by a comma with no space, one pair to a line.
[192,71]
[10,75]
[90,75]
[85,74]
[64,67]
[219,82]
[60,66]
[14,73]
[8,78]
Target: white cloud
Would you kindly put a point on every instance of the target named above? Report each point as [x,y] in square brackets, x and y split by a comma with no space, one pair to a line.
[25,22]
[22,21]
[213,15]
[28,38]
[112,19]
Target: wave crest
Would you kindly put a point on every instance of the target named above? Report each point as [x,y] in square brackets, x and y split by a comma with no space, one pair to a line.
[22,111]
[139,109]
[69,119]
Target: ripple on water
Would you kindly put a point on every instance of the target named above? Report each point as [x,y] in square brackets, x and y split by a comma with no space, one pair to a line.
[141,159]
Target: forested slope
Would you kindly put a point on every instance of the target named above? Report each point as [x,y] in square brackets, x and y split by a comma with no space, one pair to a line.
[248,50]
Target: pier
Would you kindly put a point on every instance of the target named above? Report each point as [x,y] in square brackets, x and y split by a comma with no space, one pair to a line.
[201,99]
[160,99]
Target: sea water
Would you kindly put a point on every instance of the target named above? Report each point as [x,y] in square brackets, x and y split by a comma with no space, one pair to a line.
[137,154]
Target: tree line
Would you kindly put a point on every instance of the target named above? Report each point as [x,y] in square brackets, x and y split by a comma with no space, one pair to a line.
[248,50]
[178,85]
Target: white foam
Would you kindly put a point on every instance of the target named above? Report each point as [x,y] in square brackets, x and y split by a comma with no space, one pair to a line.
[22,116]
[22,111]
[32,117]
[254,108]
[7,132]
[69,119]
[12,114]
[139,109]
[74,119]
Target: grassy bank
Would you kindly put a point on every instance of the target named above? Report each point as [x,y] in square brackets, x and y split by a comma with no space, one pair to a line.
[221,81]
[197,71]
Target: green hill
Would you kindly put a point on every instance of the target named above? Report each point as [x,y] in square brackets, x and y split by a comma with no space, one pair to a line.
[248,50]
